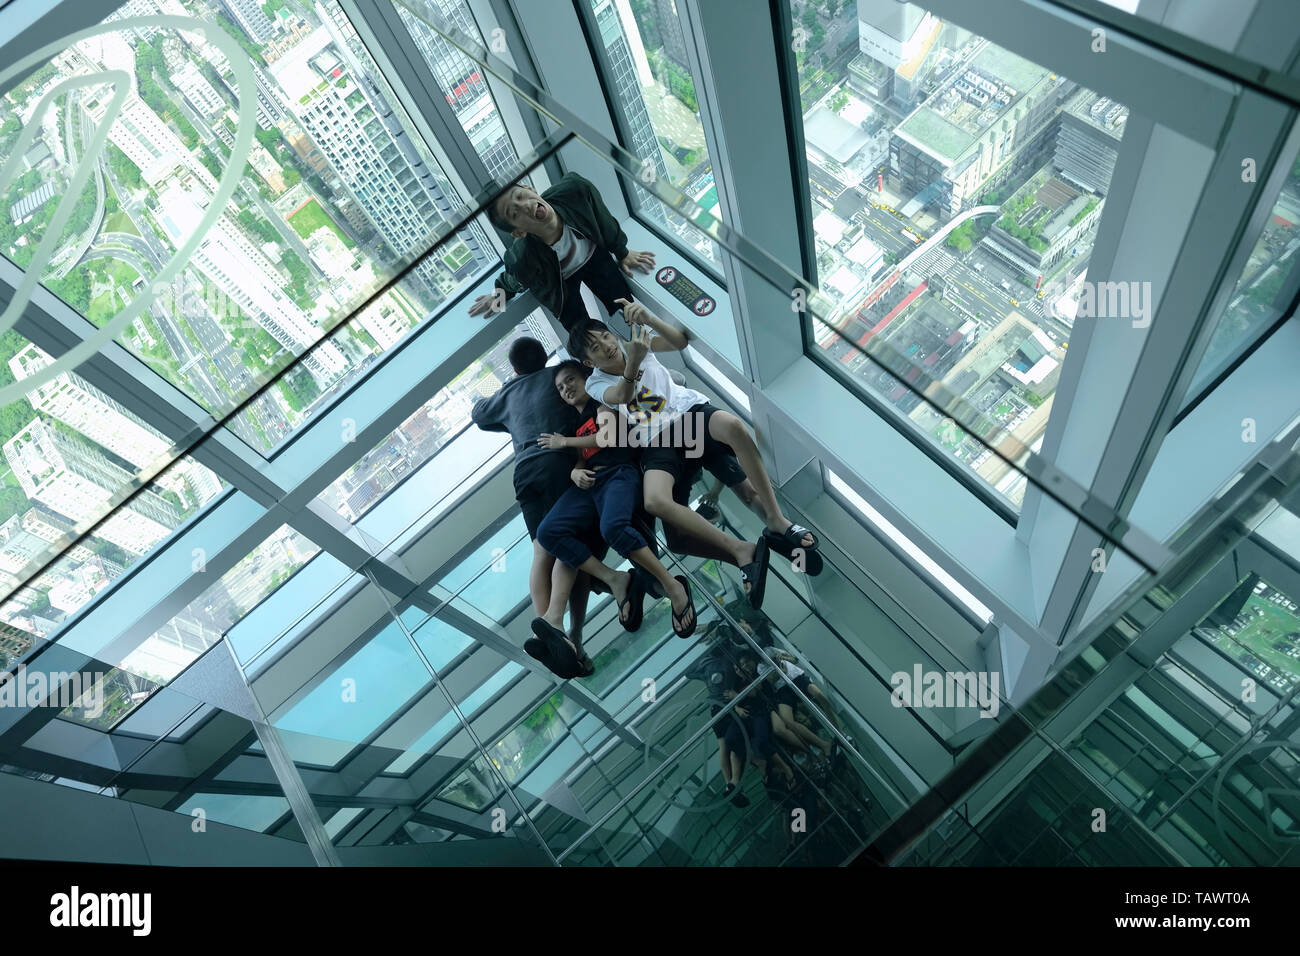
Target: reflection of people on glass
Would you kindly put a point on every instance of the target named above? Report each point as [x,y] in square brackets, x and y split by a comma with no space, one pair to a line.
[564,237]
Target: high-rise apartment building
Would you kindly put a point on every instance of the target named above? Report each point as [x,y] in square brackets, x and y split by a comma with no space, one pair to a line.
[81,406]
[70,476]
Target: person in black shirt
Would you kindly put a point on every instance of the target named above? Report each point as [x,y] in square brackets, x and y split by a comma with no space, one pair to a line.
[607,490]
[525,407]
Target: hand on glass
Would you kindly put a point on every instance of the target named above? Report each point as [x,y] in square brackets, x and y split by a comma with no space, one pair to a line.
[640,261]
[482,305]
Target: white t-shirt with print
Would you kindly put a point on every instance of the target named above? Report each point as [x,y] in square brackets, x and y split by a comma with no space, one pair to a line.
[657,401]
[573,251]
[791,671]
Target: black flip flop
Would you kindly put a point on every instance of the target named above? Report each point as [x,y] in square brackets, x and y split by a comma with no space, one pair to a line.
[690,606]
[636,597]
[536,648]
[560,658]
[755,573]
[787,545]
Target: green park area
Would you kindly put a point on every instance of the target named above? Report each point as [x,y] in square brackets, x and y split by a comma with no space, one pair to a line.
[111,300]
[1270,632]
[311,217]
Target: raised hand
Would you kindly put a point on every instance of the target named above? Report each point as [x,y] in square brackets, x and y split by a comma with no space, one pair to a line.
[633,312]
[638,345]
[482,305]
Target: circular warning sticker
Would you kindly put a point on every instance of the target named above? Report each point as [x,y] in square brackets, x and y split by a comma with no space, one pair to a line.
[703,305]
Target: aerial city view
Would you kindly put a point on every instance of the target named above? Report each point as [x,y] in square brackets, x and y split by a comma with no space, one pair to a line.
[956,190]
[335,197]
[955,193]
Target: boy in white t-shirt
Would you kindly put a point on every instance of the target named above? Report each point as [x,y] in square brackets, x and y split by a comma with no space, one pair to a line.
[666,415]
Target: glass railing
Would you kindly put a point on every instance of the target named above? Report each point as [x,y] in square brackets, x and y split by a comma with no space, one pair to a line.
[403,702]
[1165,720]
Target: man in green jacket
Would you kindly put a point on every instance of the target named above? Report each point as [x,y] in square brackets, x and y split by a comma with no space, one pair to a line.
[563,237]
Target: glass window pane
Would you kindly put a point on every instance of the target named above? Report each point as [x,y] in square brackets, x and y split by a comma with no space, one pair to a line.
[648,77]
[912,124]
[433,425]
[204,621]
[1263,290]
[465,86]
[337,192]
[69,449]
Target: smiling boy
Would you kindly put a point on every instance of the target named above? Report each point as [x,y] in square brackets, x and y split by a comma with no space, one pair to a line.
[564,237]
[606,490]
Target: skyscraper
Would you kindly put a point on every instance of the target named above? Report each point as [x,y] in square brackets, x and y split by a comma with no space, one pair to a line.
[81,406]
[627,91]
[469,95]
[73,478]
[350,120]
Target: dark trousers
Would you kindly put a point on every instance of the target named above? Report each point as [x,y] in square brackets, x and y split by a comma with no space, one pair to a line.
[758,727]
[611,502]
[604,278]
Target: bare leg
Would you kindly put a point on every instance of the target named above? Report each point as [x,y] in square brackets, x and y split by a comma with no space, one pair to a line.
[681,542]
[737,768]
[748,496]
[578,608]
[823,704]
[786,735]
[659,502]
[563,578]
[726,427]
[539,579]
[799,730]
[671,587]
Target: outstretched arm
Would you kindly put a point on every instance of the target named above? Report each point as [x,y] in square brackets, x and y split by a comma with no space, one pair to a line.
[556,440]
[667,338]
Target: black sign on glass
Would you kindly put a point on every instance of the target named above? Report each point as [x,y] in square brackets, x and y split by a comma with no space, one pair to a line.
[685,291]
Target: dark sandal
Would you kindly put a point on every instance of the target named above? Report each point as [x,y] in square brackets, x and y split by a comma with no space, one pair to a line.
[755,573]
[686,630]
[587,664]
[560,657]
[636,598]
[781,544]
